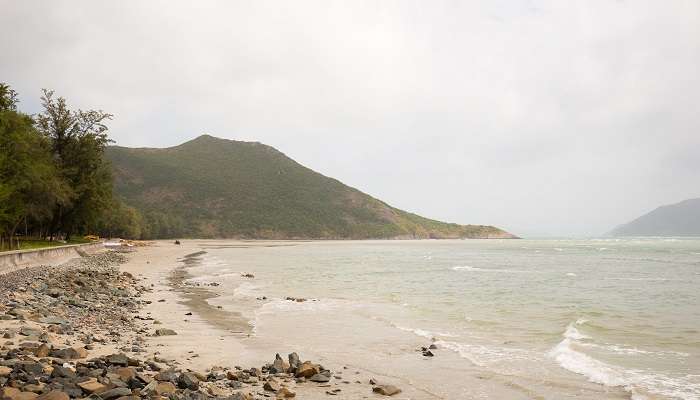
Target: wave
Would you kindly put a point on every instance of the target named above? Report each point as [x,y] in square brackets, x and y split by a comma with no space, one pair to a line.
[485,355]
[478,354]
[643,279]
[424,333]
[568,355]
[627,350]
[310,305]
[477,269]
[574,334]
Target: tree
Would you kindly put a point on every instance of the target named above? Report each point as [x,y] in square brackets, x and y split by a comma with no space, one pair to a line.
[8,98]
[120,220]
[29,185]
[78,139]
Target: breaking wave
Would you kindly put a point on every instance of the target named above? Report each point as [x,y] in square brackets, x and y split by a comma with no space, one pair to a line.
[569,355]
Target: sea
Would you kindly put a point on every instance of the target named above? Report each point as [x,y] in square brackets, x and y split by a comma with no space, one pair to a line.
[531,319]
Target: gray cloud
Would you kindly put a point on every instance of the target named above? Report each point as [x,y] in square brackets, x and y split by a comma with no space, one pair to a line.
[544,117]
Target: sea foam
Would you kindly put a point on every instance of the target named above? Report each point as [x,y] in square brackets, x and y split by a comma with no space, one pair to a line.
[569,357]
[468,268]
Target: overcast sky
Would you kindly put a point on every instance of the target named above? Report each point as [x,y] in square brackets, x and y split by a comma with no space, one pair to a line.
[541,117]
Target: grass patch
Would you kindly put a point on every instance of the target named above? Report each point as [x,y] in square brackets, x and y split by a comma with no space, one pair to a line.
[31,244]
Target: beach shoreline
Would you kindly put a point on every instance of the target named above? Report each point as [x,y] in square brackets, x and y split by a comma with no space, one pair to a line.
[193,290]
[166,323]
[219,337]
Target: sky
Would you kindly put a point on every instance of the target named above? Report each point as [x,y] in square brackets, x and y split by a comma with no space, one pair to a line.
[545,118]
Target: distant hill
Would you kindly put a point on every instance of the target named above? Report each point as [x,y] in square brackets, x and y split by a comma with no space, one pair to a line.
[681,219]
[211,187]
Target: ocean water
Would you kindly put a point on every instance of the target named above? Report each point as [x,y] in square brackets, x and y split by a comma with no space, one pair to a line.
[600,318]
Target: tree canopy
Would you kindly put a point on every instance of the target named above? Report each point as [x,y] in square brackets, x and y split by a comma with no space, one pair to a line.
[54,178]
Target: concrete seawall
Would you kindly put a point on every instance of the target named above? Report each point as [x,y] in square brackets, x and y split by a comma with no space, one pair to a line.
[18,259]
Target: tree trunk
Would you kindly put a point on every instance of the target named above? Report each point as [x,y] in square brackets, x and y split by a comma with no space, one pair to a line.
[12,233]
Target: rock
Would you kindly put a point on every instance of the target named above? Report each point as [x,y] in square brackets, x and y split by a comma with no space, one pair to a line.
[35,388]
[117,359]
[164,388]
[92,386]
[240,396]
[166,376]
[5,371]
[125,373]
[54,395]
[279,365]
[27,331]
[42,351]
[294,361]
[432,347]
[144,378]
[62,372]
[428,353]
[271,385]
[23,396]
[285,393]
[386,390]
[320,378]
[70,353]
[188,380]
[8,393]
[114,393]
[33,368]
[165,332]
[149,389]
[53,321]
[217,391]
[307,370]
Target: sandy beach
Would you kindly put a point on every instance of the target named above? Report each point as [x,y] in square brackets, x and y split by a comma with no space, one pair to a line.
[211,336]
[158,323]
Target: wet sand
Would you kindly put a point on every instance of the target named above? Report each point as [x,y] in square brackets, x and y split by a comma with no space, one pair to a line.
[214,337]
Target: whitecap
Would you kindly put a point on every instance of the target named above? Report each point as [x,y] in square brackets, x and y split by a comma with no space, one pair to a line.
[424,333]
[483,355]
[596,371]
[311,305]
[575,334]
[634,381]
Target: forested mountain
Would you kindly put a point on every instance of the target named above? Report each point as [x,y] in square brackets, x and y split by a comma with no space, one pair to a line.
[211,187]
[680,219]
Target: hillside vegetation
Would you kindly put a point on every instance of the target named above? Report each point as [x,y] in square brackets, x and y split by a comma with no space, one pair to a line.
[211,187]
[680,219]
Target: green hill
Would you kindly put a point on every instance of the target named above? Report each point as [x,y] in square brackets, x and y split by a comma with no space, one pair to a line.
[211,187]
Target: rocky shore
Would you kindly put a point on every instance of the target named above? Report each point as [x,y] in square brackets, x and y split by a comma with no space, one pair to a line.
[79,331]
